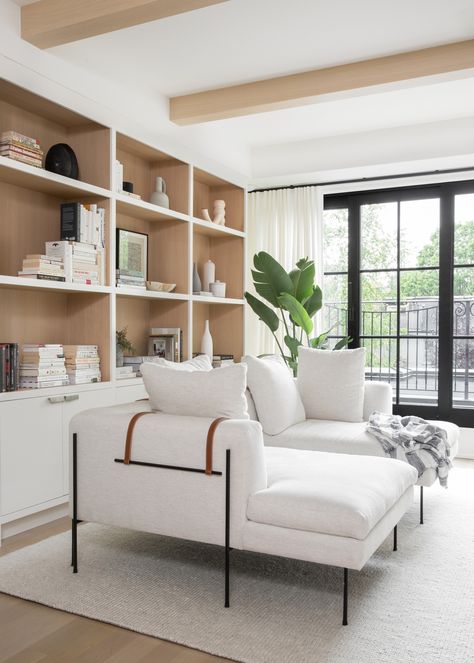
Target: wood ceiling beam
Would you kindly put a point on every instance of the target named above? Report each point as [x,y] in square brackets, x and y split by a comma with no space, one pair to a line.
[304,88]
[48,23]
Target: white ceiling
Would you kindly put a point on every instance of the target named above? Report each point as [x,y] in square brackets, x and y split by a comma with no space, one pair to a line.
[245,40]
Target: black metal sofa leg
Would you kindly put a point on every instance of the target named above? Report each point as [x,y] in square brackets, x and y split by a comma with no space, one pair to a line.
[421,505]
[74,504]
[227,526]
[395,538]
[344,604]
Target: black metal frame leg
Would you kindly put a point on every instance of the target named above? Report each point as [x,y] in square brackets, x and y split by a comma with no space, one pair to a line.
[395,538]
[421,506]
[344,604]
[74,504]
[227,525]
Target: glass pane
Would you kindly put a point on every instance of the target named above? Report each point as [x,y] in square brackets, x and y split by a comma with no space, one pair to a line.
[419,233]
[419,370]
[335,305]
[336,239]
[378,236]
[419,302]
[380,359]
[464,229]
[463,373]
[378,304]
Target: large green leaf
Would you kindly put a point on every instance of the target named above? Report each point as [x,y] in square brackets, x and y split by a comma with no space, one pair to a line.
[297,312]
[319,340]
[270,279]
[292,344]
[303,279]
[314,303]
[342,343]
[264,312]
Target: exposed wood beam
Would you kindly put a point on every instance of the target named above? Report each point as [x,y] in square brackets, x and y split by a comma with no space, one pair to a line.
[48,23]
[302,89]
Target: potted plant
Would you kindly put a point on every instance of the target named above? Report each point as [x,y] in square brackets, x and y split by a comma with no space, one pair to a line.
[295,300]
[122,345]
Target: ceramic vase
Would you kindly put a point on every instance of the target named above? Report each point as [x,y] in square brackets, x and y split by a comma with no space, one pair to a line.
[206,342]
[196,280]
[208,275]
[219,212]
[119,356]
[159,197]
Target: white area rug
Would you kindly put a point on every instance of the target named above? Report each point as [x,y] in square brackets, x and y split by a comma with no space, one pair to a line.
[412,606]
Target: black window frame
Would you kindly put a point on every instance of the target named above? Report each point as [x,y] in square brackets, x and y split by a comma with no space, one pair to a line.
[446,193]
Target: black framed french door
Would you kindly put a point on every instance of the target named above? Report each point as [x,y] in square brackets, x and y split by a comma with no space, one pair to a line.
[399,278]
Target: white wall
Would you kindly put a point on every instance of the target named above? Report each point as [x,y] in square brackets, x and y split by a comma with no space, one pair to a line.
[144,115]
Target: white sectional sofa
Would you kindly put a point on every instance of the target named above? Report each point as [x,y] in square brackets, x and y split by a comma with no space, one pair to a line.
[343,437]
[320,507]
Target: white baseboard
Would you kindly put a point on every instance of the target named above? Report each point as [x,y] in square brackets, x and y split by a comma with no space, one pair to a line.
[34,520]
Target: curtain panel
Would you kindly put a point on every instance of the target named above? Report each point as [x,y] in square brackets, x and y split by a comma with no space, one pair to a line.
[288,224]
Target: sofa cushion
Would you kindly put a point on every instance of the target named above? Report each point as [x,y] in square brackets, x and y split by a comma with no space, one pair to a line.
[331,384]
[198,363]
[216,393]
[336,494]
[276,397]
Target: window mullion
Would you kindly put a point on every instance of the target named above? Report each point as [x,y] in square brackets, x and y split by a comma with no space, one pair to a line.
[446,255]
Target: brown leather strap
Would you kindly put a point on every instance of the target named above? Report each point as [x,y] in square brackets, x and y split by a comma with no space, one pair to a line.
[210,442]
[128,441]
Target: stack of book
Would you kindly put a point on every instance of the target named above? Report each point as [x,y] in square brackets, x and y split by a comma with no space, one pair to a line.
[9,367]
[43,267]
[136,362]
[128,279]
[222,360]
[42,366]
[21,148]
[82,363]
[123,372]
[83,263]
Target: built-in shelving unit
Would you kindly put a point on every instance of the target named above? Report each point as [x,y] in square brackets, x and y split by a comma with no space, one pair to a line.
[53,312]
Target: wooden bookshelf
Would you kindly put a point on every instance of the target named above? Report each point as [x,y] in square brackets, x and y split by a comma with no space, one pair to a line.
[54,312]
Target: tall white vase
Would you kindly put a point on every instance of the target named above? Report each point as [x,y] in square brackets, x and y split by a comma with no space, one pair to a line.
[208,275]
[206,342]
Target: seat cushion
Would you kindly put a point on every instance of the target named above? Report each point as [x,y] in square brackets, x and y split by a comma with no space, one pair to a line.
[336,494]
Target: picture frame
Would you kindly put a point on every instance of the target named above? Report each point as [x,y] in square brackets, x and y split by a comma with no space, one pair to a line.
[165,342]
[132,253]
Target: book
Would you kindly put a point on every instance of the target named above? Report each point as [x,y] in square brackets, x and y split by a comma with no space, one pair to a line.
[21,138]
[43,277]
[9,367]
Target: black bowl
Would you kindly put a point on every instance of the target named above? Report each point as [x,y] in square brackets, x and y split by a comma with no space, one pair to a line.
[62,160]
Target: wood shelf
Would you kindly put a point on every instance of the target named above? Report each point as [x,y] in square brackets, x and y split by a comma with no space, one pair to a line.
[37,179]
[51,286]
[140,209]
[202,299]
[150,294]
[208,187]
[202,227]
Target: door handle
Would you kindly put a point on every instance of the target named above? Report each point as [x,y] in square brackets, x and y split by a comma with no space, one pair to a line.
[56,399]
[71,397]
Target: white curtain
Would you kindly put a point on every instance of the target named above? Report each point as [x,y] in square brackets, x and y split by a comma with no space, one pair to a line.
[287,223]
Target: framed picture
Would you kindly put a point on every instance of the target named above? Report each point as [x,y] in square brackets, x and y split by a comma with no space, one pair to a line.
[132,253]
[165,342]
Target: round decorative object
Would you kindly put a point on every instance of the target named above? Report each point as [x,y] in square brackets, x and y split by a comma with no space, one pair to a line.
[62,160]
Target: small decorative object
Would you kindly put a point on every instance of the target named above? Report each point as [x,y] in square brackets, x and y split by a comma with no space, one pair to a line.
[196,280]
[166,343]
[122,345]
[218,288]
[127,187]
[208,275]
[132,253]
[61,159]
[159,197]
[219,212]
[206,342]
[157,286]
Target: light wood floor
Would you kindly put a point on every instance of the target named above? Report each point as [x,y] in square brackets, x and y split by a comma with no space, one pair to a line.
[30,632]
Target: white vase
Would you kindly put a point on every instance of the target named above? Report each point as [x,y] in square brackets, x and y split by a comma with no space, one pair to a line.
[206,342]
[208,275]
[159,197]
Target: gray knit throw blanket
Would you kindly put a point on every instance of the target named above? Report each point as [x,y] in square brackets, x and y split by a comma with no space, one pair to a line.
[414,440]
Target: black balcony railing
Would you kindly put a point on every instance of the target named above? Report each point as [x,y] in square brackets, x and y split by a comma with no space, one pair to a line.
[418,345]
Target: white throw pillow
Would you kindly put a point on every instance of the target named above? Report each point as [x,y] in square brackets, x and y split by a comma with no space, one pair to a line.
[216,393]
[277,400]
[331,383]
[198,363]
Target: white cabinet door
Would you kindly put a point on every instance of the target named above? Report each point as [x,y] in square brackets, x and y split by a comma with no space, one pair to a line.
[31,453]
[130,393]
[73,404]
